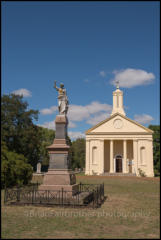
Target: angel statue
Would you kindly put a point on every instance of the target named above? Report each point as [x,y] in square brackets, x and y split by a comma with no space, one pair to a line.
[62,99]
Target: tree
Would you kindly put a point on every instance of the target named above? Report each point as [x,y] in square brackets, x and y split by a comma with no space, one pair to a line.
[46,138]
[78,153]
[156,148]
[18,131]
[14,167]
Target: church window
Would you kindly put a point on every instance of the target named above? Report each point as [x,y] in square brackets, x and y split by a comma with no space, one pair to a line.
[142,155]
[94,155]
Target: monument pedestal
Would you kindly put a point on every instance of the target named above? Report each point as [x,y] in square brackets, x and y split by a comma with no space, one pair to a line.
[56,179]
[59,174]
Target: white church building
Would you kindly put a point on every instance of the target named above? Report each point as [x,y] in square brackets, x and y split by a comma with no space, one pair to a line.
[119,145]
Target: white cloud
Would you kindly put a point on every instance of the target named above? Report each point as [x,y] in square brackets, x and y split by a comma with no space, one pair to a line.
[77,113]
[24,92]
[80,113]
[91,113]
[129,77]
[71,124]
[75,135]
[96,107]
[47,111]
[98,118]
[102,73]
[143,119]
[50,125]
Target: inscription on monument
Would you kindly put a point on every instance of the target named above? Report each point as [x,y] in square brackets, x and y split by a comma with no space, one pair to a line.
[58,161]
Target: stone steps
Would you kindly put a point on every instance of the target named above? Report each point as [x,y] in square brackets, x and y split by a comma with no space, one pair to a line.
[118,174]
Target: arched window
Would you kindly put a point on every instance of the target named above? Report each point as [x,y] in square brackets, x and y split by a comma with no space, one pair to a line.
[142,155]
[94,155]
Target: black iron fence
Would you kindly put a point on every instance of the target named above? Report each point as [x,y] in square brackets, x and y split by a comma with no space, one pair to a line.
[91,195]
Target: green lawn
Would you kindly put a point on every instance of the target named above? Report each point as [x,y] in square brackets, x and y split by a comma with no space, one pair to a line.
[131,210]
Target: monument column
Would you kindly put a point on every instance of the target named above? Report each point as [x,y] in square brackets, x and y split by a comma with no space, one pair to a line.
[59,174]
[111,157]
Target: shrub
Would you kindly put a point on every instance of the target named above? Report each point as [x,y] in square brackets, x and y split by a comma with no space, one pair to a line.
[15,169]
[141,173]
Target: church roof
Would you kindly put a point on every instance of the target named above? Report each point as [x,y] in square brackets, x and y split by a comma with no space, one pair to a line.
[147,130]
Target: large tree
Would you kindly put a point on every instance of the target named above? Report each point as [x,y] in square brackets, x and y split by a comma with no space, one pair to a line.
[19,132]
[156,148]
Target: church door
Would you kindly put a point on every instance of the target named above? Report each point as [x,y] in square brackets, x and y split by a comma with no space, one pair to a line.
[118,163]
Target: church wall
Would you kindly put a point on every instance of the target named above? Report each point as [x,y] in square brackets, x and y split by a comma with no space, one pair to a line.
[142,157]
[94,156]
[150,170]
[145,157]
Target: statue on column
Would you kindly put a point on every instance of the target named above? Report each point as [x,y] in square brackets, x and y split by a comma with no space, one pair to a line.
[62,99]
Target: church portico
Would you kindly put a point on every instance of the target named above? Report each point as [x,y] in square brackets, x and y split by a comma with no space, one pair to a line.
[117,155]
[119,144]
[104,156]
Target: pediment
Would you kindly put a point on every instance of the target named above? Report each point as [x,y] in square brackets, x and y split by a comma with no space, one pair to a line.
[118,123]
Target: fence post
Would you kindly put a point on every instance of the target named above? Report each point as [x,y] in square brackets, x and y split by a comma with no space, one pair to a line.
[103,191]
[97,195]
[59,197]
[18,194]
[93,198]
[80,187]
[5,195]
[32,195]
[62,196]
[46,193]
[48,196]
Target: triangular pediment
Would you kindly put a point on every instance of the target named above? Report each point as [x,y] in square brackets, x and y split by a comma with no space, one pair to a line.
[118,123]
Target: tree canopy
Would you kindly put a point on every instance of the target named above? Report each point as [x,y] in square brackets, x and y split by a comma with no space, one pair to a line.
[156,148]
[18,131]
[20,140]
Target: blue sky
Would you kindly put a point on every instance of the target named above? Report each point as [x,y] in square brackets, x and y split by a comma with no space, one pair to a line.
[87,46]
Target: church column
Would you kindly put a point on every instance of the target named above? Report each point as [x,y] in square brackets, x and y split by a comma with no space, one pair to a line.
[87,169]
[135,156]
[124,156]
[101,166]
[111,157]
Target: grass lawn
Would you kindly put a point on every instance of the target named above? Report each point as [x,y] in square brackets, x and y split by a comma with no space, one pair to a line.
[131,210]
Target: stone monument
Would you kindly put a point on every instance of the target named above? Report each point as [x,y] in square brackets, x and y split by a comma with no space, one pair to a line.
[38,170]
[59,174]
